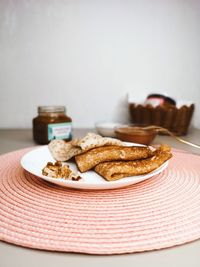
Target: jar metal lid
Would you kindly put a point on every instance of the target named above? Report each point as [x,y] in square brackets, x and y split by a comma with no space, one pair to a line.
[51,109]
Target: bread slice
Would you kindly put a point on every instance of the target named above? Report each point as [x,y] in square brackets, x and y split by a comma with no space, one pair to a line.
[91,158]
[115,170]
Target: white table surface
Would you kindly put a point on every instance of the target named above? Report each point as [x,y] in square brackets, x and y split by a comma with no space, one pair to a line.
[187,255]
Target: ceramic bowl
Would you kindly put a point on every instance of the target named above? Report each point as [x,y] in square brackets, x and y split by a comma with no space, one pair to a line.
[135,135]
[107,128]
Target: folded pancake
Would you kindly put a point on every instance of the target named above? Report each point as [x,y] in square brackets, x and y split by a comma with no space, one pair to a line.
[91,158]
[119,169]
[92,140]
[63,151]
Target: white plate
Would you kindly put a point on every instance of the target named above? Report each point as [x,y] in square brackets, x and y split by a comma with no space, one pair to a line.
[35,160]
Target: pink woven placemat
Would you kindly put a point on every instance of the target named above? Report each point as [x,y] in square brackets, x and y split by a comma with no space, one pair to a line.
[161,212]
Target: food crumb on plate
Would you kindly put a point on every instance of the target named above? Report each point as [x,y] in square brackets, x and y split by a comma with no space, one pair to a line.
[58,170]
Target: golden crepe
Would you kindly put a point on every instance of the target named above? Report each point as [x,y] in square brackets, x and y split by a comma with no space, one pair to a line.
[63,151]
[91,158]
[115,170]
[92,140]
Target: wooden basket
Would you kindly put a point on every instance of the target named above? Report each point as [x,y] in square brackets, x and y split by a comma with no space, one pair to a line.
[176,120]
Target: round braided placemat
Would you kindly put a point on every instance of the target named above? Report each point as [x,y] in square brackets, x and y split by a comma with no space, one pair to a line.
[160,212]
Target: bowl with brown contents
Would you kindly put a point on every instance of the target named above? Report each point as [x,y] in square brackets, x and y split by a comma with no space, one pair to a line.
[136,134]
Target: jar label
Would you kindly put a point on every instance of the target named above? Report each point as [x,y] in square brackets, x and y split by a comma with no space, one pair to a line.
[60,131]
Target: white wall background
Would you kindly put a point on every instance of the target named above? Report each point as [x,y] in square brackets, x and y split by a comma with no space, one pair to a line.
[88,54]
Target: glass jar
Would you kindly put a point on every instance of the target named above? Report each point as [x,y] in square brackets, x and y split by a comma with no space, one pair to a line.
[51,123]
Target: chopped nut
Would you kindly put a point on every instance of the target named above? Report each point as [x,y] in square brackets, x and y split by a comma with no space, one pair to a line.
[56,170]
[49,164]
[58,163]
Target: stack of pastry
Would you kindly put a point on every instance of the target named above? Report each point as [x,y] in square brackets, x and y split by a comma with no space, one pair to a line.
[109,157]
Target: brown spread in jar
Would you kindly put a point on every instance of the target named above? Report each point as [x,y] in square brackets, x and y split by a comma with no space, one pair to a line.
[51,123]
